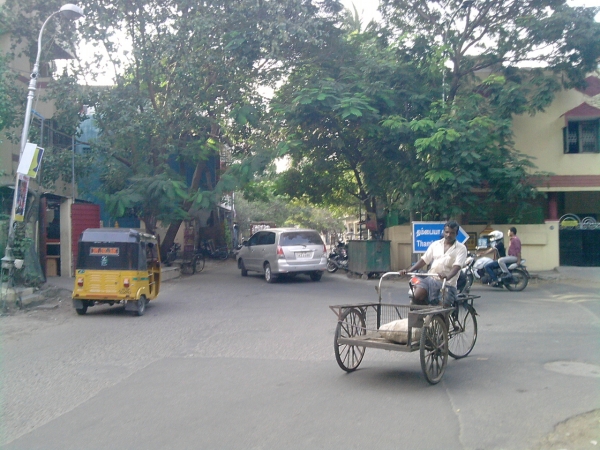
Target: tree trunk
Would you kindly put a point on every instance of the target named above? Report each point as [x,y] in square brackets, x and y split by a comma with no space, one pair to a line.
[171,233]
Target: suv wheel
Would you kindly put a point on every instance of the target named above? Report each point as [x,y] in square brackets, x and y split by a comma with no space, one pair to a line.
[316,276]
[269,277]
[242,267]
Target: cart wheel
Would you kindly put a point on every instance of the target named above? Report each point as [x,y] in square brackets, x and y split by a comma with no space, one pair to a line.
[462,332]
[141,306]
[434,349]
[350,325]
[198,264]
[84,306]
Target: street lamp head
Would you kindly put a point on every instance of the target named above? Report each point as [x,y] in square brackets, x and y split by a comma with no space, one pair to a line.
[71,12]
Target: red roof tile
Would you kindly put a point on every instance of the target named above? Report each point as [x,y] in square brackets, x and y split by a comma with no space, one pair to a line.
[593,86]
[583,111]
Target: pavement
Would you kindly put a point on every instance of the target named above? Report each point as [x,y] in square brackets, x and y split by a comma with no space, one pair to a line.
[588,275]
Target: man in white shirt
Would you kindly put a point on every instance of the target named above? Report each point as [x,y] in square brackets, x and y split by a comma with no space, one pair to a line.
[446,256]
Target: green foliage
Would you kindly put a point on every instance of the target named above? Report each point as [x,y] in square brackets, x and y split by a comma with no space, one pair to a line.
[188,90]
[286,212]
[21,242]
[333,109]
[357,110]
[152,198]
[370,123]
[9,95]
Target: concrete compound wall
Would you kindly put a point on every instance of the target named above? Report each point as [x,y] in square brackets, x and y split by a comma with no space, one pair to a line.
[540,245]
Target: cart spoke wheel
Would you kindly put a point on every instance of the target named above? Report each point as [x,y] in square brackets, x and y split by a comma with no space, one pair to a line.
[462,332]
[351,324]
[434,349]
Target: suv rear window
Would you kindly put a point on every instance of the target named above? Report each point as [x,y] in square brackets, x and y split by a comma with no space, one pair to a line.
[300,238]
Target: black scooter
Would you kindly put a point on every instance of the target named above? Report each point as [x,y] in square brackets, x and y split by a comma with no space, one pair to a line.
[338,258]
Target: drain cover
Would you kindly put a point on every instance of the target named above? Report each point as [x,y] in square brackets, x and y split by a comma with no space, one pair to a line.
[574,368]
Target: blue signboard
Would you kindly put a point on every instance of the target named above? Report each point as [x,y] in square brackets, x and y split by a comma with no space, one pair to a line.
[424,233]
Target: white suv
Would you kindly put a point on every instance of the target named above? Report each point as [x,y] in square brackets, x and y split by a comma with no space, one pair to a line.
[277,251]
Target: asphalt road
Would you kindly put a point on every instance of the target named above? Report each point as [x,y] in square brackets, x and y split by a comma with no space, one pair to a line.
[224,362]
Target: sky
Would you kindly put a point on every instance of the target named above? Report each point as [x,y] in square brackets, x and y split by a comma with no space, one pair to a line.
[367,9]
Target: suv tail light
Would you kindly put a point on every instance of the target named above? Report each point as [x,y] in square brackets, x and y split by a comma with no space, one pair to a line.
[280,254]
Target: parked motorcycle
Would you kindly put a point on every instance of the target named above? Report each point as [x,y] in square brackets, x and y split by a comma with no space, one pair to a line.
[172,254]
[474,269]
[338,258]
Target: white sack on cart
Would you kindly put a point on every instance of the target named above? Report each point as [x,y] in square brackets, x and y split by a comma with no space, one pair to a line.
[397,331]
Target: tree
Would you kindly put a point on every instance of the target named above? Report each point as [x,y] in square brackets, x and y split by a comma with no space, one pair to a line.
[384,118]
[331,112]
[499,36]
[285,212]
[186,89]
[464,144]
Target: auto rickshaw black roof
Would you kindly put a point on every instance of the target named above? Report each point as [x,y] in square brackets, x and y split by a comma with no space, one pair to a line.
[115,235]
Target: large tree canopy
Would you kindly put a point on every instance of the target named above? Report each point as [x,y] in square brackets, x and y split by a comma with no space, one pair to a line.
[370,114]
[386,121]
[188,88]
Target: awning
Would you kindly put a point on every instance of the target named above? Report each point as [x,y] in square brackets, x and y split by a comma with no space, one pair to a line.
[582,112]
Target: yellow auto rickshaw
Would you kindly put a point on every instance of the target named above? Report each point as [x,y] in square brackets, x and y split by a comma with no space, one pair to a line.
[116,265]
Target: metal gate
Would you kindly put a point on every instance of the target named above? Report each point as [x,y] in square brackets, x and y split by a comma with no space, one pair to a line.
[579,241]
[83,216]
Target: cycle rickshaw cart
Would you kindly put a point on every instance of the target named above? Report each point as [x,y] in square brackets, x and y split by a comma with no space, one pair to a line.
[435,331]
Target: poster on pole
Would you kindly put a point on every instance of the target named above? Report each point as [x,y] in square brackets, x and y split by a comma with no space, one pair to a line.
[425,233]
[31,160]
[22,188]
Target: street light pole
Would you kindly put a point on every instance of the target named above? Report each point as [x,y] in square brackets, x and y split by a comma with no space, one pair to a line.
[71,12]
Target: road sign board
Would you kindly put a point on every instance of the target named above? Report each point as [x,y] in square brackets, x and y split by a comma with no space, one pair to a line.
[424,233]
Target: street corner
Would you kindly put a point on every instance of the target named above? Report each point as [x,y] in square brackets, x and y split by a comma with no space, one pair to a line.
[581,431]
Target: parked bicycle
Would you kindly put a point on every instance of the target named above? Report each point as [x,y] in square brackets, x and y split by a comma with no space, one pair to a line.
[190,262]
[208,249]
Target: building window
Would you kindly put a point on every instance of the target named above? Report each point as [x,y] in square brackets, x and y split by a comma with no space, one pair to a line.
[582,137]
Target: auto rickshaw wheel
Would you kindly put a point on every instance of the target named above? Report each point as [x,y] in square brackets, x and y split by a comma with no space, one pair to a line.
[84,306]
[141,306]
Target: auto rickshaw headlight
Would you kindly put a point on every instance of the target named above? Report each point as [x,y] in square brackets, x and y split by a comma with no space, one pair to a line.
[126,282]
[80,282]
